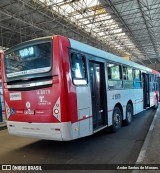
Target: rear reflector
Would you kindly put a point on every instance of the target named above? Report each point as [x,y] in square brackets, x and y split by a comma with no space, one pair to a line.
[56,111]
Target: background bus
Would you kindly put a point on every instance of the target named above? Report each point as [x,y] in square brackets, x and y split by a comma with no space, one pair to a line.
[60,89]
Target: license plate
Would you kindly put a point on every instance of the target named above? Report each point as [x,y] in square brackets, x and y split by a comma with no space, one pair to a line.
[29,112]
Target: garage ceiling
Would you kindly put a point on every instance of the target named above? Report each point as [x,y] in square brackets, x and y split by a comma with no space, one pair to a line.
[128,28]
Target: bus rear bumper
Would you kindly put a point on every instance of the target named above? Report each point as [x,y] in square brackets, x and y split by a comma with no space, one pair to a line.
[49,131]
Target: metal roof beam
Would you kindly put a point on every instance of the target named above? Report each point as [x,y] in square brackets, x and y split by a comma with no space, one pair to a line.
[77,29]
[110,3]
[149,32]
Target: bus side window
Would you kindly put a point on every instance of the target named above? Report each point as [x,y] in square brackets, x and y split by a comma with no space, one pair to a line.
[150,82]
[153,78]
[114,76]
[137,78]
[78,69]
[124,72]
[154,83]
[127,77]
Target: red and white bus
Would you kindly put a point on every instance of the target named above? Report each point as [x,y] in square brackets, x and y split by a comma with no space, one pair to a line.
[60,89]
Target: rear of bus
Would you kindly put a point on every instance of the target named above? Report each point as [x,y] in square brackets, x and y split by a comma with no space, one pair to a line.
[38,92]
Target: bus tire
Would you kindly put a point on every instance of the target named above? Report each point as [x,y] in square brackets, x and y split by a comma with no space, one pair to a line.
[116,119]
[129,114]
[156,105]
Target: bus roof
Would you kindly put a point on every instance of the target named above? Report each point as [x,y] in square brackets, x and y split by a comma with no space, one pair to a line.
[100,53]
[88,49]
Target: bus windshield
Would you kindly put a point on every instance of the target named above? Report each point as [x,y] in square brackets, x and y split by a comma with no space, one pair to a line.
[28,60]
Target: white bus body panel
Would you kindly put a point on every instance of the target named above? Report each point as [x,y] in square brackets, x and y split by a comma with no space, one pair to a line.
[84,110]
[136,96]
[41,130]
[67,131]
[84,94]
[152,99]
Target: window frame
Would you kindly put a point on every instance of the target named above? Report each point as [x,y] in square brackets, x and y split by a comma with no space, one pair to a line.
[140,81]
[75,81]
[28,44]
[120,70]
[154,82]
[127,80]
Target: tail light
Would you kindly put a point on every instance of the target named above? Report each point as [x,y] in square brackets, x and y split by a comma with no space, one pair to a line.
[56,110]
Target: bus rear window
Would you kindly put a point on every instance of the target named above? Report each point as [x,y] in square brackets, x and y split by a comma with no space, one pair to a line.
[28,60]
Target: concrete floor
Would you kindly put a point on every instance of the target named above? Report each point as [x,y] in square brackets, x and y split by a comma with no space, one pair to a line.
[103,147]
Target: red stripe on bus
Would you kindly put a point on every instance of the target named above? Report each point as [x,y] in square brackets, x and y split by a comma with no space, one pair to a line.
[84,118]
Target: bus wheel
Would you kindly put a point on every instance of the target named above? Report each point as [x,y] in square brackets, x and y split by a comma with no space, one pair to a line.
[116,119]
[129,114]
[156,104]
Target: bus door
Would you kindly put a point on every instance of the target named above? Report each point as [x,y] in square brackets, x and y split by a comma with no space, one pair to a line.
[98,94]
[146,92]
